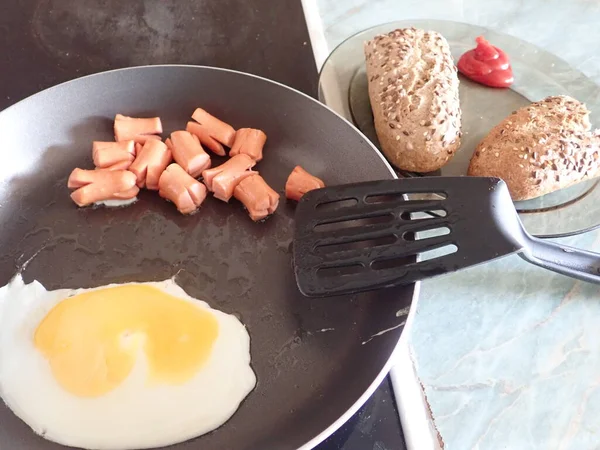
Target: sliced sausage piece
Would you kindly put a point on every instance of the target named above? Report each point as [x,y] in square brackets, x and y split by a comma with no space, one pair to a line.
[93,186]
[151,161]
[113,155]
[181,188]
[257,196]
[250,142]
[223,179]
[205,139]
[217,129]
[120,179]
[126,195]
[188,153]
[300,182]
[123,165]
[137,129]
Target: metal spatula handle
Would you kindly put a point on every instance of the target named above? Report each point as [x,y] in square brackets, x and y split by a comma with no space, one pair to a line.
[573,262]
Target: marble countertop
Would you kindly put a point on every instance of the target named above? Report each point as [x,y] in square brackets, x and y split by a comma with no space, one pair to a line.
[507,354]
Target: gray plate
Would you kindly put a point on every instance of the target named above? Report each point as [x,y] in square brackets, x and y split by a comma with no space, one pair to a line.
[537,75]
[312,367]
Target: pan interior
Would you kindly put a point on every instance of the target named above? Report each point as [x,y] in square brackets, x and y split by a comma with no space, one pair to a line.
[308,354]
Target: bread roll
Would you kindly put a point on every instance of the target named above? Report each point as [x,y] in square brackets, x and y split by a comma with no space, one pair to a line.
[540,148]
[413,88]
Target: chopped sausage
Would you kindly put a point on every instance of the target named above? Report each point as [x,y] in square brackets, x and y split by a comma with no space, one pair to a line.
[257,196]
[219,130]
[181,188]
[205,138]
[223,179]
[137,129]
[188,153]
[93,186]
[123,165]
[151,161]
[250,142]
[300,182]
[113,155]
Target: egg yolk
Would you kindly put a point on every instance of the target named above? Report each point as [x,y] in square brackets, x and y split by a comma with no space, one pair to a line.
[92,340]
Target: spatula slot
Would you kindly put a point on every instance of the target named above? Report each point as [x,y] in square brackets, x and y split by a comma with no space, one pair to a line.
[337,204]
[356,245]
[427,196]
[435,213]
[392,263]
[406,260]
[420,235]
[352,223]
[438,252]
[383,198]
[337,271]
[423,215]
[393,196]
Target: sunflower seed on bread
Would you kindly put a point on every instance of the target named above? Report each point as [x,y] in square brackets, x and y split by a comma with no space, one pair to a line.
[413,88]
[540,148]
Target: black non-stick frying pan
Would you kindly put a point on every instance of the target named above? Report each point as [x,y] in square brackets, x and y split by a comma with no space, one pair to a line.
[314,359]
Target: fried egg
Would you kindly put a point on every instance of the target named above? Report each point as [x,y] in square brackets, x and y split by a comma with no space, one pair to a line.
[128,366]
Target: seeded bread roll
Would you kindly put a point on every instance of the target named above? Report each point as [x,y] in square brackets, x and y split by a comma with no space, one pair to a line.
[540,148]
[413,87]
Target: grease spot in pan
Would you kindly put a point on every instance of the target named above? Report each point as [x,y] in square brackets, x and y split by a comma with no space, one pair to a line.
[382,332]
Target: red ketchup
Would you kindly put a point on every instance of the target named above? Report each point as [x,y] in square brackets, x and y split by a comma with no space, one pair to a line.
[486,65]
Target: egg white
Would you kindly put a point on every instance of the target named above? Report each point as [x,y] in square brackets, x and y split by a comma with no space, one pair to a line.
[136,414]
[116,203]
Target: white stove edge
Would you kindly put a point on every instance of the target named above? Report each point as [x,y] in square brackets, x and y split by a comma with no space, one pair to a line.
[316,32]
[418,426]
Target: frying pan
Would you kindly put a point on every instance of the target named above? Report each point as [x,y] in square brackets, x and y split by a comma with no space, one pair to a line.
[314,358]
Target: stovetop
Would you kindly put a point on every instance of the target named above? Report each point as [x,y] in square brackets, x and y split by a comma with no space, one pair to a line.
[46,42]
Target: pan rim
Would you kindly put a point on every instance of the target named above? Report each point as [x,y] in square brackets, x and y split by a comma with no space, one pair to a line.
[327,432]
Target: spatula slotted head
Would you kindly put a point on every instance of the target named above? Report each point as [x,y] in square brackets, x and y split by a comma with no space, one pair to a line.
[366,236]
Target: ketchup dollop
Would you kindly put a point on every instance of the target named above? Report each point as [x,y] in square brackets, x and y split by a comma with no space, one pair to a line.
[486,65]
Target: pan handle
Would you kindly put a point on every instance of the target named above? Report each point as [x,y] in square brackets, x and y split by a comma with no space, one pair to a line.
[569,261]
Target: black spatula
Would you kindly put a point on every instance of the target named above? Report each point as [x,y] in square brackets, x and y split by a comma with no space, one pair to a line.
[372,235]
